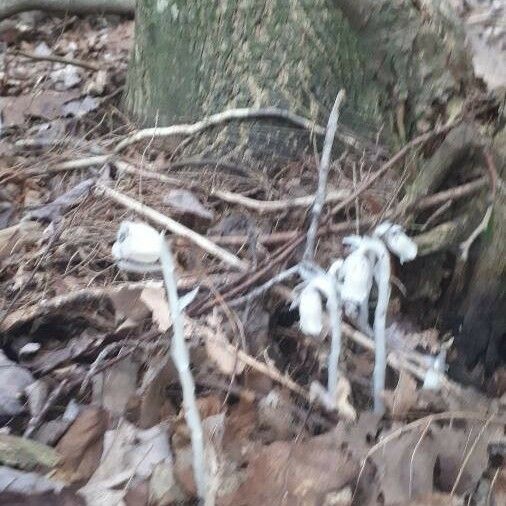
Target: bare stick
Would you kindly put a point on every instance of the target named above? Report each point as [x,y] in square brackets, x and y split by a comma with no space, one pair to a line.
[421,139]
[323,172]
[172,225]
[218,119]
[265,287]
[181,357]
[261,206]
[58,59]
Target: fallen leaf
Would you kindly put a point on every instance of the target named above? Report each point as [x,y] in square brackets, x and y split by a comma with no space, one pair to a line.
[218,348]
[55,209]
[113,388]
[154,298]
[47,105]
[81,446]
[296,473]
[26,454]
[13,381]
[404,397]
[64,498]
[25,482]
[80,107]
[152,394]
[184,201]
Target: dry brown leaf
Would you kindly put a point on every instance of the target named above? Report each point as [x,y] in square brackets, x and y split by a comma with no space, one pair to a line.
[154,298]
[113,388]
[151,395]
[296,473]
[81,446]
[184,201]
[218,348]
[404,397]
[47,105]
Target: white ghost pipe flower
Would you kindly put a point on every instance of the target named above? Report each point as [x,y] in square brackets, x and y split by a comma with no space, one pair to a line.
[397,241]
[141,248]
[380,259]
[137,247]
[311,311]
[355,278]
[311,319]
[435,374]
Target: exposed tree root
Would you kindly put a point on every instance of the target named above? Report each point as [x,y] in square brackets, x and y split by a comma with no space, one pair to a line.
[11,7]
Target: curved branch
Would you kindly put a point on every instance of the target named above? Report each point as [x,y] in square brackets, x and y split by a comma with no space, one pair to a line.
[11,7]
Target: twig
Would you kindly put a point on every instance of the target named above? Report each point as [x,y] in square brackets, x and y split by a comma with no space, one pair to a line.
[173,226]
[261,206]
[469,453]
[181,357]
[268,370]
[421,139]
[217,119]
[455,193]
[265,287]
[58,59]
[483,225]
[323,172]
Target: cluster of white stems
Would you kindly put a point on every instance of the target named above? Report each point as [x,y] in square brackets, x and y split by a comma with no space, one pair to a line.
[346,287]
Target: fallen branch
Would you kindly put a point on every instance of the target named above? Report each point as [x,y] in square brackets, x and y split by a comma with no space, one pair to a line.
[261,206]
[172,225]
[58,59]
[187,130]
[11,7]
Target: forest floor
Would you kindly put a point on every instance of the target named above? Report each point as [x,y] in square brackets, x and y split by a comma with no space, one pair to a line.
[91,407]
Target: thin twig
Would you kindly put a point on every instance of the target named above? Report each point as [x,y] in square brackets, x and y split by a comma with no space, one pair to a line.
[217,119]
[172,225]
[469,453]
[323,172]
[58,59]
[261,206]
[279,278]
[421,139]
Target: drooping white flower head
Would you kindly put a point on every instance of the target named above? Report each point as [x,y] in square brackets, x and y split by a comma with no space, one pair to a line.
[397,241]
[137,245]
[311,304]
[355,277]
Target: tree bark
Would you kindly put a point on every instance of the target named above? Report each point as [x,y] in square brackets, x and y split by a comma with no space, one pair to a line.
[191,60]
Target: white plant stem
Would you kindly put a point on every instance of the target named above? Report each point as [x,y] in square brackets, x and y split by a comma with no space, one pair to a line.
[181,358]
[335,313]
[382,278]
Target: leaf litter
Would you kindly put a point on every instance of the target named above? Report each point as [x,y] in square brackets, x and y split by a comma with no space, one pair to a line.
[95,389]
